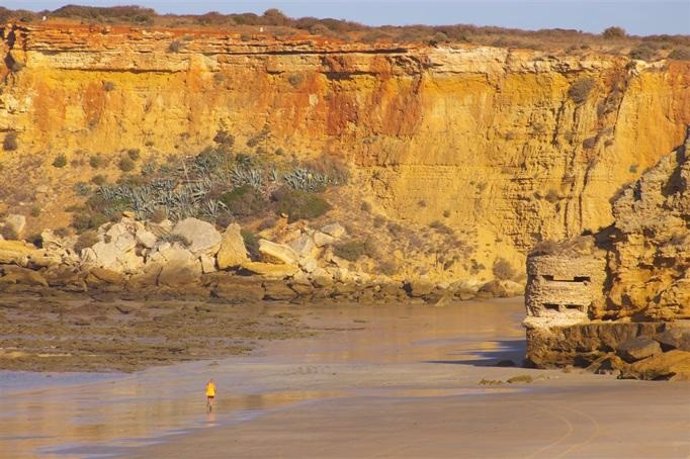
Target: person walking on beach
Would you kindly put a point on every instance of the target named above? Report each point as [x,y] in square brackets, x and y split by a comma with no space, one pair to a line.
[210,394]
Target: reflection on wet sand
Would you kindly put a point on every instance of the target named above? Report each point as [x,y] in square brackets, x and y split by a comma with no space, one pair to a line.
[112,417]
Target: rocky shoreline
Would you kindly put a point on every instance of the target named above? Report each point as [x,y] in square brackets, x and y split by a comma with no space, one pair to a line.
[191,259]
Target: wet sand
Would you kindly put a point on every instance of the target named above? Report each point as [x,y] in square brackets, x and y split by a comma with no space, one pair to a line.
[393,381]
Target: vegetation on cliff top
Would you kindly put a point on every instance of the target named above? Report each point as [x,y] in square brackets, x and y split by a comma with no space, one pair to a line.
[275,23]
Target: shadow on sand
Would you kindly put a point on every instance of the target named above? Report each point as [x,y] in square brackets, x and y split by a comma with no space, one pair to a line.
[508,353]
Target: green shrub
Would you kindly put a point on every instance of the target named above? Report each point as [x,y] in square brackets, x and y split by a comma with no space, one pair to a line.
[643,52]
[86,239]
[351,250]
[108,86]
[295,79]
[99,180]
[173,238]
[10,143]
[9,233]
[175,46]
[680,54]
[224,139]
[134,154]
[243,201]
[251,242]
[580,89]
[503,270]
[96,161]
[613,32]
[87,220]
[298,204]
[589,143]
[35,211]
[158,215]
[60,161]
[126,164]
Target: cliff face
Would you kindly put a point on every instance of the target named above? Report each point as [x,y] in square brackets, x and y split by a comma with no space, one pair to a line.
[506,146]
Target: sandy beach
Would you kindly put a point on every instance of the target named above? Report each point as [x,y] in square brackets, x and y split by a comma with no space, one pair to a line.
[407,381]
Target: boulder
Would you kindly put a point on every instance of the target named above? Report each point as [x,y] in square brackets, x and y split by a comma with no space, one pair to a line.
[232,252]
[674,338]
[322,239]
[202,236]
[270,269]
[673,365]
[179,272]
[23,276]
[145,238]
[308,265]
[208,264]
[18,253]
[418,288]
[160,229]
[116,255]
[638,348]
[272,252]
[107,276]
[304,245]
[335,230]
[16,223]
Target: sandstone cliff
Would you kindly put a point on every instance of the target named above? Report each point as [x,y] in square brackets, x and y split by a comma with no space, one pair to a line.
[505,146]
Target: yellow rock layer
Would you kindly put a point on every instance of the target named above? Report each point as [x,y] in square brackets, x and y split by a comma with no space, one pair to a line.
[487,136]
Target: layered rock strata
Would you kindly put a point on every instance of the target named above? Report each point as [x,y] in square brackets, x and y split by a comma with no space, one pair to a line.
[509,146]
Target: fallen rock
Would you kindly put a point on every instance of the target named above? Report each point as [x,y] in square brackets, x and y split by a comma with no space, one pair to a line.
[145,238]
[18,253]
[322,239]
[208,264]
[304,245]
[308,265]
[107,276]
[272,252]
[674,338]
[232,252]
[638,348]
[673,365]
[418,288]
[202,236]
[178,272]
[15,223]
[336,230]
[23,276]
[270,269]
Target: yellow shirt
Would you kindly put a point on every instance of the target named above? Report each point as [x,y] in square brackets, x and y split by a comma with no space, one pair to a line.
[210,390]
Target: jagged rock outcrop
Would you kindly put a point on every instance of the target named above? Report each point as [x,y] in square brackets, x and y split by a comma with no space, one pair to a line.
[626,289]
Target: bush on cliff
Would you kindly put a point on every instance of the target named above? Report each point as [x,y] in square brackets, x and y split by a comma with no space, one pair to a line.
[580,89]
[298,204]
[503,270]
[10,142]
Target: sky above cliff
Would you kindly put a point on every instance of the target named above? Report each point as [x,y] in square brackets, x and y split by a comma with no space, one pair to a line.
[639,17]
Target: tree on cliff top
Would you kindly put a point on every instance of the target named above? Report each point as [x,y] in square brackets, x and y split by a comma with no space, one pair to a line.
[613,32]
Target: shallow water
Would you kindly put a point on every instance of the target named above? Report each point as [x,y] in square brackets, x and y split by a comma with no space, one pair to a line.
[99,415]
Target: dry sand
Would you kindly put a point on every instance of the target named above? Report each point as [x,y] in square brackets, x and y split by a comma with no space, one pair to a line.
[394,381]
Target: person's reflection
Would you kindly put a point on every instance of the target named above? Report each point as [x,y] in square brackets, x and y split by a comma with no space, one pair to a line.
[211,419]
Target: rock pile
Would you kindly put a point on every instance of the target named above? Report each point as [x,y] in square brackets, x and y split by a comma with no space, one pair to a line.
[192,258]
